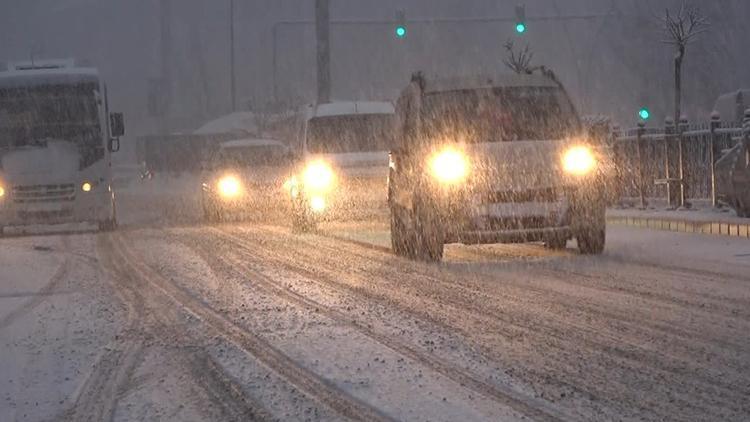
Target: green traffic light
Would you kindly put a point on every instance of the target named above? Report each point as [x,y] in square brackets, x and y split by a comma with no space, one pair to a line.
[401,31]
[644,113]
[521,28]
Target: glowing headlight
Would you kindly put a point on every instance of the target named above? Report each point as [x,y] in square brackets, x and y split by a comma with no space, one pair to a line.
[229,187]
[86,187]
[579,161]
[450,166]
[318,176]
[317,204]
[2,191]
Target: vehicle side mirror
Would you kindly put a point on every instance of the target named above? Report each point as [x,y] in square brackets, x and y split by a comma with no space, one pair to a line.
[114,144]
[117,125]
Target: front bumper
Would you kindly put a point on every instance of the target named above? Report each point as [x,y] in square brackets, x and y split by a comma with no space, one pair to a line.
[261,200]
[78,207]
[528,216]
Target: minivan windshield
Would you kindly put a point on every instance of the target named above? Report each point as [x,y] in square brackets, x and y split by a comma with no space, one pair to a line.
[499,114]
[350,134]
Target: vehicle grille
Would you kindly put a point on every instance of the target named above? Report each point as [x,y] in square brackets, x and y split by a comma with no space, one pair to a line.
[533,195]
[32,194]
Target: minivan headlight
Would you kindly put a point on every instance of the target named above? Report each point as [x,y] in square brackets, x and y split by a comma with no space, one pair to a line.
[318,176]
[449,166]
[229,187]
[579,161]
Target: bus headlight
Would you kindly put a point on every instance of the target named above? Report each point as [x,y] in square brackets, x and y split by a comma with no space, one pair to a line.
[579,161]
[87,187]
[450,166]
[318,176]
[229,187]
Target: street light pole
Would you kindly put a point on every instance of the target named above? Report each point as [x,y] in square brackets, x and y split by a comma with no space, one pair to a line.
[233,82]
[323,36]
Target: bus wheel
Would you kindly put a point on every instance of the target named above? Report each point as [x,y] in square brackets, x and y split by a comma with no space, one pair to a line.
[109,224]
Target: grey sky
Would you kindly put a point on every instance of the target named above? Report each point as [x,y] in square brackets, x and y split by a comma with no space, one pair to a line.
[610,66]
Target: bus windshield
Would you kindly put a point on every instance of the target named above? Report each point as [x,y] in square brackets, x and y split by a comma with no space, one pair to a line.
[350,134]
[31,116]
[500,114]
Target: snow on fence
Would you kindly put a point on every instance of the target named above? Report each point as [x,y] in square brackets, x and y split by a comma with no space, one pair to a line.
[649,159]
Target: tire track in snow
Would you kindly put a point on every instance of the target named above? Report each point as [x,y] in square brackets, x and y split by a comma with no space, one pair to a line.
[96,398]
[507,397]
[568,335]
[305,380]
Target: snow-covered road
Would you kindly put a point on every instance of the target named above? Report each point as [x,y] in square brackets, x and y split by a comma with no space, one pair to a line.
[252,322]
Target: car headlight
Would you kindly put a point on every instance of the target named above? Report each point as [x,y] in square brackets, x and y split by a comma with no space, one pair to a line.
[229,187]
[450,166]
[318,176]
[579,161]
[2,192]
[318,204]
[87,186]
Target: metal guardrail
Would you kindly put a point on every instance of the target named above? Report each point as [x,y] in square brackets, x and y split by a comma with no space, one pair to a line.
[674,162]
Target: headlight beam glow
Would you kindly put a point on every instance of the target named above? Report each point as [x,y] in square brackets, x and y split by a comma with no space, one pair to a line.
[579,161]
[229,187]
[318,176]
[450,166]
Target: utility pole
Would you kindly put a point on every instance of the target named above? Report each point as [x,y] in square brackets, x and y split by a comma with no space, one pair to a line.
[162,89]
[233,81]
[323,32]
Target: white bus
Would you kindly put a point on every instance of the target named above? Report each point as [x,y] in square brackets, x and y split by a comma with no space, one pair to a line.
[56,140]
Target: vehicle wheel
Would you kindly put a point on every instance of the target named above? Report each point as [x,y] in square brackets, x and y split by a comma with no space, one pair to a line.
[429,244]
[302,221]
[109,224]
[556,243]
[211,213]
[592,231]
[402,240]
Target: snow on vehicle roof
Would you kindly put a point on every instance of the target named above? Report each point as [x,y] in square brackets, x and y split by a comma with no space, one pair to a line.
[251,143]
[348,108]
[484,82]
[238,122]
[731,106]
[36,77]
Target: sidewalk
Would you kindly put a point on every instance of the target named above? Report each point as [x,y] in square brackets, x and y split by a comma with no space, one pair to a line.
[701,219]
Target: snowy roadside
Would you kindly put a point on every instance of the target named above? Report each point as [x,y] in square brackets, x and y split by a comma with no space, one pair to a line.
[701,218]
[56,316]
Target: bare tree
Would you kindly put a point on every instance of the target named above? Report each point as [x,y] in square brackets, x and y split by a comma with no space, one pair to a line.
[681,29]
[519,62]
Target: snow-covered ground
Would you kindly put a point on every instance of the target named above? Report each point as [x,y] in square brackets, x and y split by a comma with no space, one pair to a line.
[168,319]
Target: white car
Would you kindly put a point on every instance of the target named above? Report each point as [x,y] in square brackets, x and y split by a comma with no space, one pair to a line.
[244,176]
[344,165]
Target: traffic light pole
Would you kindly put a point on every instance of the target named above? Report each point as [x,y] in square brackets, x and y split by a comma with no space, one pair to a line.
[428,21]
